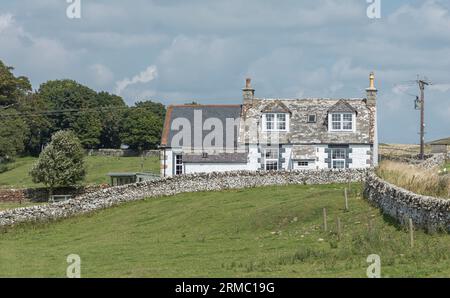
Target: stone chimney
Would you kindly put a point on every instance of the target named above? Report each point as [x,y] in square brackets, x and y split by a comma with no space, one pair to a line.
[248,92]
[371,91]
[372,105]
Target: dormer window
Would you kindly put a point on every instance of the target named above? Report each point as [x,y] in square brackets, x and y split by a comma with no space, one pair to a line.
[342,122]
[275,122]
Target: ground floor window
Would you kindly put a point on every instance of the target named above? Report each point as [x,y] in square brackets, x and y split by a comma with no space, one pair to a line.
[303,164]
[271,159]
[178,164]
[338,158]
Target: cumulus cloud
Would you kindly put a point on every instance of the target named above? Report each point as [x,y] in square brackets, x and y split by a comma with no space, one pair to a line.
[5,21]
[440,87]
[101,74]
[145,76]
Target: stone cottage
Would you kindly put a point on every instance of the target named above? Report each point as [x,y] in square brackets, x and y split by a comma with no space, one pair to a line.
[271,134]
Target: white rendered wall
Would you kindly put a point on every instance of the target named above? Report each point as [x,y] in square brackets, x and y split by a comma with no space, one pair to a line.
[359,156]
[191,168]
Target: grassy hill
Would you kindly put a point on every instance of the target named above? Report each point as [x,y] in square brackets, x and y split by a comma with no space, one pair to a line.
[262,232]
[97,168]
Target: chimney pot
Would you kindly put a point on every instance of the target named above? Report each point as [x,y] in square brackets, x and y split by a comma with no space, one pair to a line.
[248,82]
[248,92]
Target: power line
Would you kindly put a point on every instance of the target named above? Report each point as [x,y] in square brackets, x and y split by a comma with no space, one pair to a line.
[67,111]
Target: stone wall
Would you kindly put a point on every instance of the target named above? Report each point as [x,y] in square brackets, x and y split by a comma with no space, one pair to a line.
[172,186]
[436,160]
[426,212]
[41,194]
[122,152]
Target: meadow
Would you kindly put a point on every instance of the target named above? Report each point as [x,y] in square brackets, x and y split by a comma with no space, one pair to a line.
[432,182]
[97,167]
[260,232]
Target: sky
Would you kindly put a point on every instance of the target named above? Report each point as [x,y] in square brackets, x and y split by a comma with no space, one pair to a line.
[176,51]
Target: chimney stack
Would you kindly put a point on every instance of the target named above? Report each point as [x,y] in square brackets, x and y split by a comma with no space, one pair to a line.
[371,91]
[248,92]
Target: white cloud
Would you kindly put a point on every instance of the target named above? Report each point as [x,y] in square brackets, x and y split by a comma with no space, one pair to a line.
[440,87]
[101,74]
[5,21]
[145,76]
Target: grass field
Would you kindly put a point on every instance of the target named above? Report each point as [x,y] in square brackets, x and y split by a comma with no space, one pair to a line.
[97,168]
[262,232]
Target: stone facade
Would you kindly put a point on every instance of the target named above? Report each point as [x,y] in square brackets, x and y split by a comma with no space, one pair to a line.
[426,212]
[289,134]
[171,186]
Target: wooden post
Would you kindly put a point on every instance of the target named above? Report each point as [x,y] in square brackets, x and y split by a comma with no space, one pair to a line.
[370,225]
[325,228]
[339,228]
[346,200]
[411,232]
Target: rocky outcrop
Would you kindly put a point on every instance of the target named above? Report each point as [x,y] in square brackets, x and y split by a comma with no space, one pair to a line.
[171,186]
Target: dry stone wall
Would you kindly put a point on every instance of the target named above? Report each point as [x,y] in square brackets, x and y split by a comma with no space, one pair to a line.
[428,213]
[171,186]
[41,194]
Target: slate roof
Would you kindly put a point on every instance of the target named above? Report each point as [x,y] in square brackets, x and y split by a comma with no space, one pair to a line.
[221,112]
[303,132]
[216,158]
[303,152]
[342,106]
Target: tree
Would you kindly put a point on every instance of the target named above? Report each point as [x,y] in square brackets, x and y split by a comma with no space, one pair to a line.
[33,110]
[113,109]
[11,87]
[77,109]
[141,127]
[13,131]
[60,163]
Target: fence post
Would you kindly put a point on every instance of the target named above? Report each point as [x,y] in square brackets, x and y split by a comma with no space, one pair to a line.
[339,228]
[411,232]
[325,228]
[346,200]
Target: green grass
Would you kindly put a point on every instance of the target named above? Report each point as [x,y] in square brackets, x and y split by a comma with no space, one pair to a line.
[262,232]
[97,168]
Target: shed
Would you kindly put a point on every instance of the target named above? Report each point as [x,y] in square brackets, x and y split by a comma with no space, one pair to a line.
[129,178]
[440,146]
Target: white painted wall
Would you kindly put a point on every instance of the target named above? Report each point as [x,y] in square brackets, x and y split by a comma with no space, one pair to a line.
[320,153]
[287,156]
[311,166]
[191,168]
[359,156]
[253,155]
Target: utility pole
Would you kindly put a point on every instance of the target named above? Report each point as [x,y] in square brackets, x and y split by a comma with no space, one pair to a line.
[422,84]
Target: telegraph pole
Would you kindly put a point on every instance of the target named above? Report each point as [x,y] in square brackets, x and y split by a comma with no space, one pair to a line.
[422,85]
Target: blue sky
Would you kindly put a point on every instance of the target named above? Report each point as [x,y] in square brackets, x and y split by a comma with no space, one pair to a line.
[177,51]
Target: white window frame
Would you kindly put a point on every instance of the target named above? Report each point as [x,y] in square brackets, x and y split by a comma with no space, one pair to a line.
[340,158]
[337,122]
[178,165]
[275,122]
[272,158]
